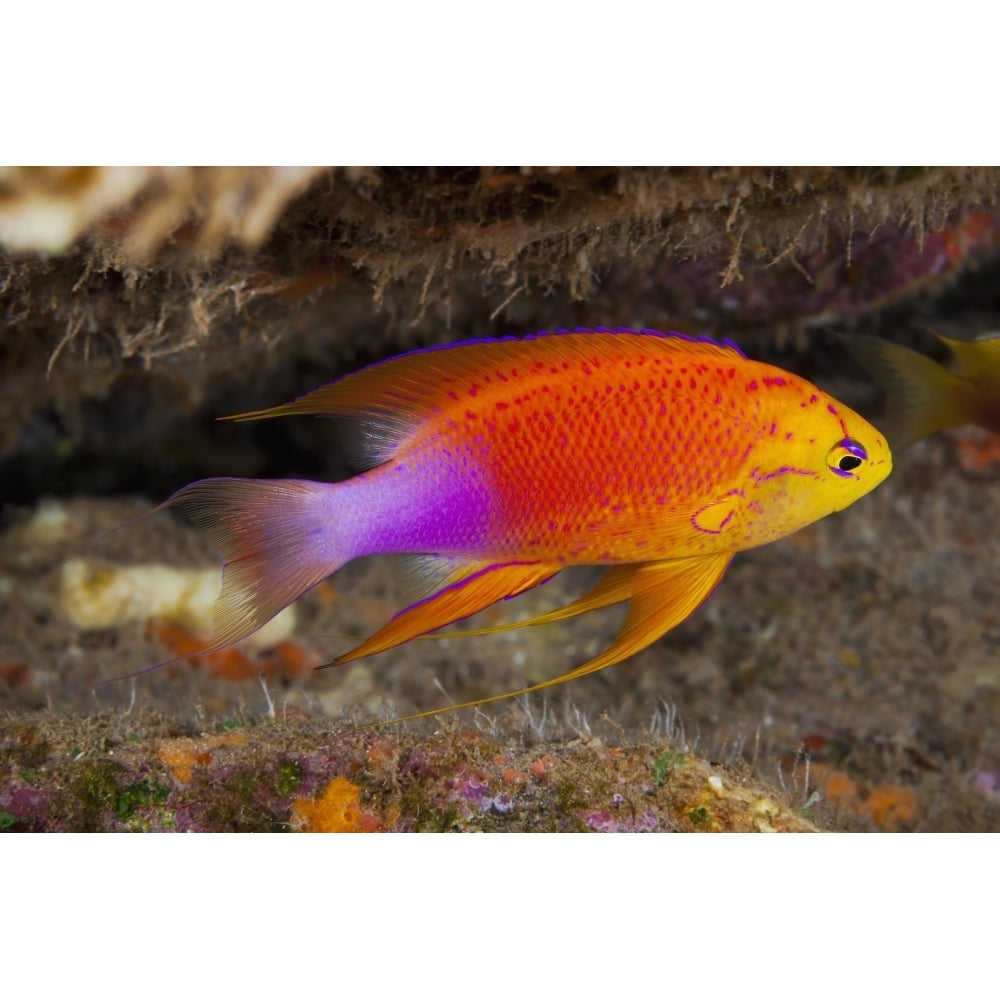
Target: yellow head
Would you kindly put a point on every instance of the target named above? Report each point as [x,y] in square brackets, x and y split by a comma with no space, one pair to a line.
[812,456]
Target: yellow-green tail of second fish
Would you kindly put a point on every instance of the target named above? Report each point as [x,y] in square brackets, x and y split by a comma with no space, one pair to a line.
[923,396]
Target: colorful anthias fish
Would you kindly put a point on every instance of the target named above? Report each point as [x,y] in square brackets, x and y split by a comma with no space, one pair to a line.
[923,396]
[496,463]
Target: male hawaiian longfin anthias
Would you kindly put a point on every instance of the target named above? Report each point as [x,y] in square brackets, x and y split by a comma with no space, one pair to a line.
[494,464]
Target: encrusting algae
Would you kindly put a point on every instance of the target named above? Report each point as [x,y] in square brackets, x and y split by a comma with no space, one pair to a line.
[491,465]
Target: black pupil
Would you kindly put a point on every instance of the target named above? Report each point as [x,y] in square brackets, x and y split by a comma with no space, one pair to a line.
[848,462]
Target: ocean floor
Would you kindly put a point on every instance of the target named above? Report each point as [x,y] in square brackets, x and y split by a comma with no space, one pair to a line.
[844,678]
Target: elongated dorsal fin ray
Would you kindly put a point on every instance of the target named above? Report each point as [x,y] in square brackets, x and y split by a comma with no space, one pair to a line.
[483,585]
[663,595]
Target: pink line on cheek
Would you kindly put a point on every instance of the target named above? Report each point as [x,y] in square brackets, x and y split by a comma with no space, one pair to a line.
[759,477]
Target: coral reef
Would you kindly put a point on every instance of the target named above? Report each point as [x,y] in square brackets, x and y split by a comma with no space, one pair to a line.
[115,773]
[147,292]
[843,679]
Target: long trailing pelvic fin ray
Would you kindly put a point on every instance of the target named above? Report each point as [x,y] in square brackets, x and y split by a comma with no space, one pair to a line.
[663,594]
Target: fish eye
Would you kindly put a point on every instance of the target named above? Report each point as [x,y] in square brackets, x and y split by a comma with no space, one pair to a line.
[846,456]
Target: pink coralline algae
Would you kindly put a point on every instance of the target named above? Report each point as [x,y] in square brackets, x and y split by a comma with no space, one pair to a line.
[605,821]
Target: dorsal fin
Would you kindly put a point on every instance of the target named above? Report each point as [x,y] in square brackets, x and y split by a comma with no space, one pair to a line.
[393,397]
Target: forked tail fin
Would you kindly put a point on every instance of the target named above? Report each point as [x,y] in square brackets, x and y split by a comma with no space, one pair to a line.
[921,396]
[276,540]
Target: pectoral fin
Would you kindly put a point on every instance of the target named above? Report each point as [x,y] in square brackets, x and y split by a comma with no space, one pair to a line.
[480,587]
[663,594]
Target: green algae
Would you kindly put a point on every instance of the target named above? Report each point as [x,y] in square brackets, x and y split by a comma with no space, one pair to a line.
[662,767]
[100,788]
[139,795]
[289,777]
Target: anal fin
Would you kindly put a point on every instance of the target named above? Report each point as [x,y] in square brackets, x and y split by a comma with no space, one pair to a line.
[482,586]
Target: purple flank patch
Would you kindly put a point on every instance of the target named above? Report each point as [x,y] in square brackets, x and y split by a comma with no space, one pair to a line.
[832,408]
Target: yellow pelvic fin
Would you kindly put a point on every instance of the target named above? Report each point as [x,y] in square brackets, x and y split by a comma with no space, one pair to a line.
[613,588]
[663,595]
[481,586]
